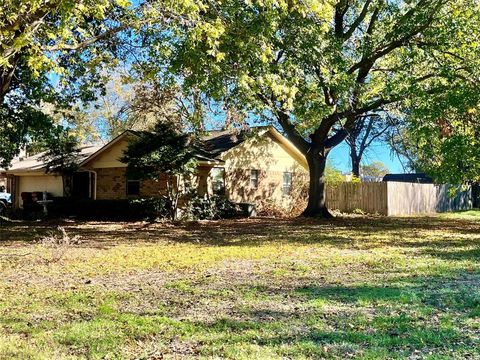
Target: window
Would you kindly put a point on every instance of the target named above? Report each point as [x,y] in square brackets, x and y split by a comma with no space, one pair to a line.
[218,180]
[287,182]
[254,178]
[133,187]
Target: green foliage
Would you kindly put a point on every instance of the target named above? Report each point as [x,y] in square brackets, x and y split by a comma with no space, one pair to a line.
[163,152]
[356,180]
[211,208]
[21,117]
[62,154]
[442,137]
[375,169]
[333,176]
[59,36]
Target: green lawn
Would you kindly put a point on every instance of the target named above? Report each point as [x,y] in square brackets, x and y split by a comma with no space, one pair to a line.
[368,288]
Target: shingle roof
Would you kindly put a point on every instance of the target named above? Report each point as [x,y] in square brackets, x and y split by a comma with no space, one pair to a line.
[411,178]
[217,142]
[33,163]
[212,145]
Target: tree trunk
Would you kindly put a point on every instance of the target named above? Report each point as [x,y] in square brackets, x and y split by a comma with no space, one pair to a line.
[355,165]
[354,157]
[316,193]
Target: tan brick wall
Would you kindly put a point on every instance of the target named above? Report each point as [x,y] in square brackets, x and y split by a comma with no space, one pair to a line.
[269,193]
[153,188]
[111,184]
[272,160]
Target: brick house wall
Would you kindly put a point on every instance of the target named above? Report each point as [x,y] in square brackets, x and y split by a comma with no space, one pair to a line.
[266,154]
[271,160]
[153,188]
[269,192]
[112,184]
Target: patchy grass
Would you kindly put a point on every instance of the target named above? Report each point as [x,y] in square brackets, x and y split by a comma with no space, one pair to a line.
[368,288]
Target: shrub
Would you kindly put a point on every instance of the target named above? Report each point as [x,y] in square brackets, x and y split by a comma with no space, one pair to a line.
[150,208]
[214,207]
[87,209]
[57,244]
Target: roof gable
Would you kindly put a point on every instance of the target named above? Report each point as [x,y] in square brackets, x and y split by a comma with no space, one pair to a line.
[120,141]
[222,142]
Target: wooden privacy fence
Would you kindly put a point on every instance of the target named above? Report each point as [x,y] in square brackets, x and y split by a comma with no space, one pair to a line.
[397,198]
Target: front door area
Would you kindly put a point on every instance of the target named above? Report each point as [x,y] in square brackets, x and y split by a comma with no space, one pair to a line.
[83,185]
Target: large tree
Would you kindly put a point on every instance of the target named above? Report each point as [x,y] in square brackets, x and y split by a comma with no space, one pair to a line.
[315,67]
[66,45]
[50,53]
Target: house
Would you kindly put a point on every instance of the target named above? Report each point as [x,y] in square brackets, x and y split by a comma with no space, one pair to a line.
[418,178]
[257,166]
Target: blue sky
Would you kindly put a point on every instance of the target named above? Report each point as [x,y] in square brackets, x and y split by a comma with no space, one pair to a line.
[339,157]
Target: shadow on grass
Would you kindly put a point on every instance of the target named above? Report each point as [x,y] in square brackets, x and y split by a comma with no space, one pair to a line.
[364,232]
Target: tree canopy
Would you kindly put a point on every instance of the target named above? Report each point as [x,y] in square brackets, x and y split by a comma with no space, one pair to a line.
[374,169]
[313,67]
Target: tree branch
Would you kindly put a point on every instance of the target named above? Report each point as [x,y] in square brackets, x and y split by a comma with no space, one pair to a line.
[388,48]
[340,11]
[358,21]
[87,42]
[284,120]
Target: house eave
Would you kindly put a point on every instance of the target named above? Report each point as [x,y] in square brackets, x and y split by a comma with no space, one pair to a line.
[210,162]
[29,172]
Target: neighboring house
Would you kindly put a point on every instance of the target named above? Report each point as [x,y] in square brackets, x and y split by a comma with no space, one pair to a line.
[419,178]
[251,166]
